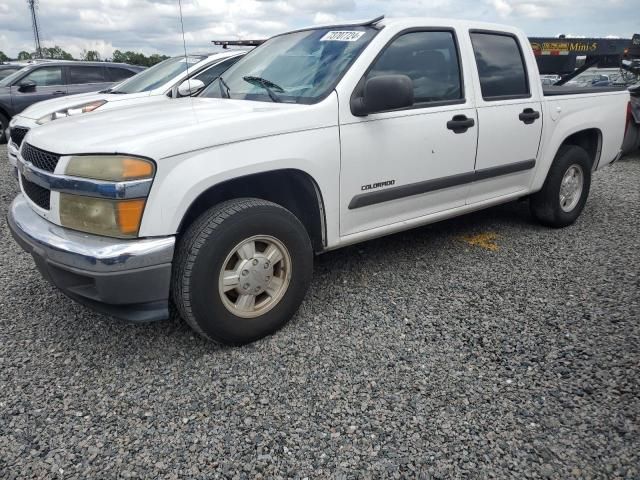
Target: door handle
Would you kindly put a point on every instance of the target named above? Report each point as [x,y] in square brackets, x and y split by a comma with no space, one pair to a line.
[529,115]
[460,123]
[58,92]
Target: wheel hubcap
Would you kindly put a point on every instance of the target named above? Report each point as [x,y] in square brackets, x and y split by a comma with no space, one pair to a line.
[571,188]
[255,276]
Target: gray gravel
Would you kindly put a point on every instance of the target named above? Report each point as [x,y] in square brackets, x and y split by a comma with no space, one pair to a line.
[416,355]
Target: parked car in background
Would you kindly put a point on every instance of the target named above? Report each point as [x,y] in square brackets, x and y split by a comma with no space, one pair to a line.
[6,70]
[318,139]
[187,76]
[587,80]
[42,81]
[548,80]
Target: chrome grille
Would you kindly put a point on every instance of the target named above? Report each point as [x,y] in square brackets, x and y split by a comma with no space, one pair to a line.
[38,195]
[39,158]
[17,135]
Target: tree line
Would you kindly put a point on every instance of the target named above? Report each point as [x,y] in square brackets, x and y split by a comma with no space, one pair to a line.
[57,53]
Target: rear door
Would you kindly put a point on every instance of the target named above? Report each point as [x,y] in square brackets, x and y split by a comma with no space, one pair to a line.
[509,116]
[86,78]
[48,82]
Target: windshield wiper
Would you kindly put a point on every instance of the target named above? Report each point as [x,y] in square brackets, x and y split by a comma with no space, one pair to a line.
[222,83]
[268,85]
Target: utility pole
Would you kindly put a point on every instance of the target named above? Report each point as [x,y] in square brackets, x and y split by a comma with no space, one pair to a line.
[33,6]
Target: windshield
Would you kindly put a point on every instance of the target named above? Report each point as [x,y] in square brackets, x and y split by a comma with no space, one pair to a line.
[299,67]
[157,75]
[7,81]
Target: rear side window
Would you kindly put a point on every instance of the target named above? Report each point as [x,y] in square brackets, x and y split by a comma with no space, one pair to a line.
[430,59]
[500,66]
[119,74]
[80,75]
[45,76]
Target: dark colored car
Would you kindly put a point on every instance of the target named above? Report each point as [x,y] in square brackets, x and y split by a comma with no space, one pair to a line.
[43,81]
[6,70]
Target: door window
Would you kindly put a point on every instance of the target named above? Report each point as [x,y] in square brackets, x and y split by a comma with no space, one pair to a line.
[500,66]
[81,75]
[45,76]
[429,59]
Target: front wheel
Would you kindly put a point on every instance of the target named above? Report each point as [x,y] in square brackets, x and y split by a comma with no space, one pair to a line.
[241,270]
[565,191]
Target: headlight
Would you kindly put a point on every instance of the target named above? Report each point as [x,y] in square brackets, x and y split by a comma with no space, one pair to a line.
[113,218]
[67,112]
[112,168]
[101,216]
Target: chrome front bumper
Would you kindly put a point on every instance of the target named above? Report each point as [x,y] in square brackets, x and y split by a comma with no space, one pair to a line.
[128,279]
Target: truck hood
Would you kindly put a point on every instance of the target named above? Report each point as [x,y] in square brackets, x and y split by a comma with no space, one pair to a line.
[168,128]
[47,107]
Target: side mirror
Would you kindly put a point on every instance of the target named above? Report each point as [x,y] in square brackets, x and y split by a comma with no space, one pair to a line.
[383,93]
[27,86]
[190,87]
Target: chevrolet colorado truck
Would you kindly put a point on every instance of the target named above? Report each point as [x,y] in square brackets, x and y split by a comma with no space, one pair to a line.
[320,138]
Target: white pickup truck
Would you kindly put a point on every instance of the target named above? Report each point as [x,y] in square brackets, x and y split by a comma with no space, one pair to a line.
[318,139]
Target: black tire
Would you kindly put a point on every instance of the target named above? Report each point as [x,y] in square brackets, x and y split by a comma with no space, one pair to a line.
[4,124]
[203,249]
[632,139]
[545,204]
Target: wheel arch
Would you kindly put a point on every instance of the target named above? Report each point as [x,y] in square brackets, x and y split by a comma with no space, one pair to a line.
[590,140]
[293,189]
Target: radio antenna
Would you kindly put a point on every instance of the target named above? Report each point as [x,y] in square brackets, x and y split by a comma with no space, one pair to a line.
[184,45]
[33,6]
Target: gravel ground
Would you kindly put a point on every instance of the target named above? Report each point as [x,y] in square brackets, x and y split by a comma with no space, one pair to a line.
[425,355]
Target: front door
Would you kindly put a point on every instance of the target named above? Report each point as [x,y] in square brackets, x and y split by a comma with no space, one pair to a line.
[404,164]
[47,82]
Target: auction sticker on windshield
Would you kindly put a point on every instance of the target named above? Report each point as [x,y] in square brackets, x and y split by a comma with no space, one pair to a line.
[342,36]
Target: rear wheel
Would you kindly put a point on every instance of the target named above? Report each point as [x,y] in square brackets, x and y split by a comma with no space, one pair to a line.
[565,191]
[241,270]
[631,139]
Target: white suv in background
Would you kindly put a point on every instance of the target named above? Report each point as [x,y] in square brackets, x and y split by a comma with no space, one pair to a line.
[182,76]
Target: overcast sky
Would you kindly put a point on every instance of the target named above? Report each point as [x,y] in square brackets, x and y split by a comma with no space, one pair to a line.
[153,26]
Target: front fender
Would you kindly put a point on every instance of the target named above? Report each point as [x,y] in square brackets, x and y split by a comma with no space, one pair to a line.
[182,179]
